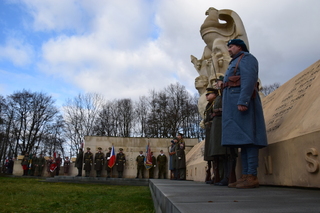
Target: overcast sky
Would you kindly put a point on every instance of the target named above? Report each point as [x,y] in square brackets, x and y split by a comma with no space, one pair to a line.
[125,48]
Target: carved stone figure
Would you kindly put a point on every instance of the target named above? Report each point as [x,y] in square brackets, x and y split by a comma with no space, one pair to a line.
[217,29]
[214,29]
[201,83]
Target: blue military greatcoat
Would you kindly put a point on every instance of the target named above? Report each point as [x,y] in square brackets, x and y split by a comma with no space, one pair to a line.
[248,127]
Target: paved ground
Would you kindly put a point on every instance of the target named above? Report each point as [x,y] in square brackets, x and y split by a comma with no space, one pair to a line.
[100,180]
[188,196]
[171,196]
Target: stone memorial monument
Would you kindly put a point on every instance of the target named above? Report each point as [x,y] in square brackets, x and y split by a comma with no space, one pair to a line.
[291,112]
[293,130]
[215,58]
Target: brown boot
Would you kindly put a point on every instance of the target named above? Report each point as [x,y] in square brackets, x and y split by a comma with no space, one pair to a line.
[250,182]
[240,180]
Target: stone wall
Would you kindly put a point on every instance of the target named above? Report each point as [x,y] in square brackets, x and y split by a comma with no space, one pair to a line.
[131,147]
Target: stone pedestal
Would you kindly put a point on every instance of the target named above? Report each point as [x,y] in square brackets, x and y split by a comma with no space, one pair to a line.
[293,129]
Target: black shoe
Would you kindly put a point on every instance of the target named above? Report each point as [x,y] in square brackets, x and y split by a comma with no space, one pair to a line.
[224,182]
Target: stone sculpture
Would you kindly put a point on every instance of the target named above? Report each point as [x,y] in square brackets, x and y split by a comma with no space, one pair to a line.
[217,29]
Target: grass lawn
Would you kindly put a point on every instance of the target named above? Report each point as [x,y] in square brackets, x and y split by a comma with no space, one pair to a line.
[31,195]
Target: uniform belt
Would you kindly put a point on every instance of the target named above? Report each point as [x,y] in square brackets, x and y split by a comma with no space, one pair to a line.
[216,114]
[231,84]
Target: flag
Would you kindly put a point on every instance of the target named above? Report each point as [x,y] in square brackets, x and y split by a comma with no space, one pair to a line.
[112,158]
[30,161]
[53,166]
[148,158]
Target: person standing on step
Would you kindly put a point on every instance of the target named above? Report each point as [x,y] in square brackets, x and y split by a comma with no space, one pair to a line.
[40,164]
[140,164]
[99,161]
[109,170]
[154,165]
[181,158]
[66,165]
[25,164]
[162,162]
[120,162]
[88,160]
[243,123]
[58,162]
[79,162]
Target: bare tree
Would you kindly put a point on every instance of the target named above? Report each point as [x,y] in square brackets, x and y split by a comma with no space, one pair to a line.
[125,115]
[179,102]
[27,116]
[53,138]
[170,111]
[266,90]
[105,121]
[80,114]
[141,114]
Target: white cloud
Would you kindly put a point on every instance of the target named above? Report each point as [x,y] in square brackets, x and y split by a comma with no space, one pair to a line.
[19,53]
[126,48]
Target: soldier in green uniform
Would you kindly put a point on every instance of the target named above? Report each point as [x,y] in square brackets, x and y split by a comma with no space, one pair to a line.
[79,162]
[173,159]
[40,164]
[66,165]
[33,163]
[58,162]
[162,161]
[210,96]
[120,162]
[98,161]
[181,158]
[224,157]
[88,159]
[25,164]
[109,170]
[154,164]
[140,164]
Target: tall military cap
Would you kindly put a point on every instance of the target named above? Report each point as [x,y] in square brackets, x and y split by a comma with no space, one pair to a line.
[120,149]
[238,42]
[99,148]
[211,90]
[88,148]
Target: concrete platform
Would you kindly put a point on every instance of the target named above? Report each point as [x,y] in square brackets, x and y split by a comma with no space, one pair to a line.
[171,196]
[100,180]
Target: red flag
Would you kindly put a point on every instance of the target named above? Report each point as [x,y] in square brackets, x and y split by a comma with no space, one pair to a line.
[112,158]
[53,166]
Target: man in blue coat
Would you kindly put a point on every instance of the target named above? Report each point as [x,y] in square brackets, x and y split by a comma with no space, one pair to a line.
[243,123]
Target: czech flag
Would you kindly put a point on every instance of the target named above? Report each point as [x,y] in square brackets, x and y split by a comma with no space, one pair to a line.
[148,159]
[112,158]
